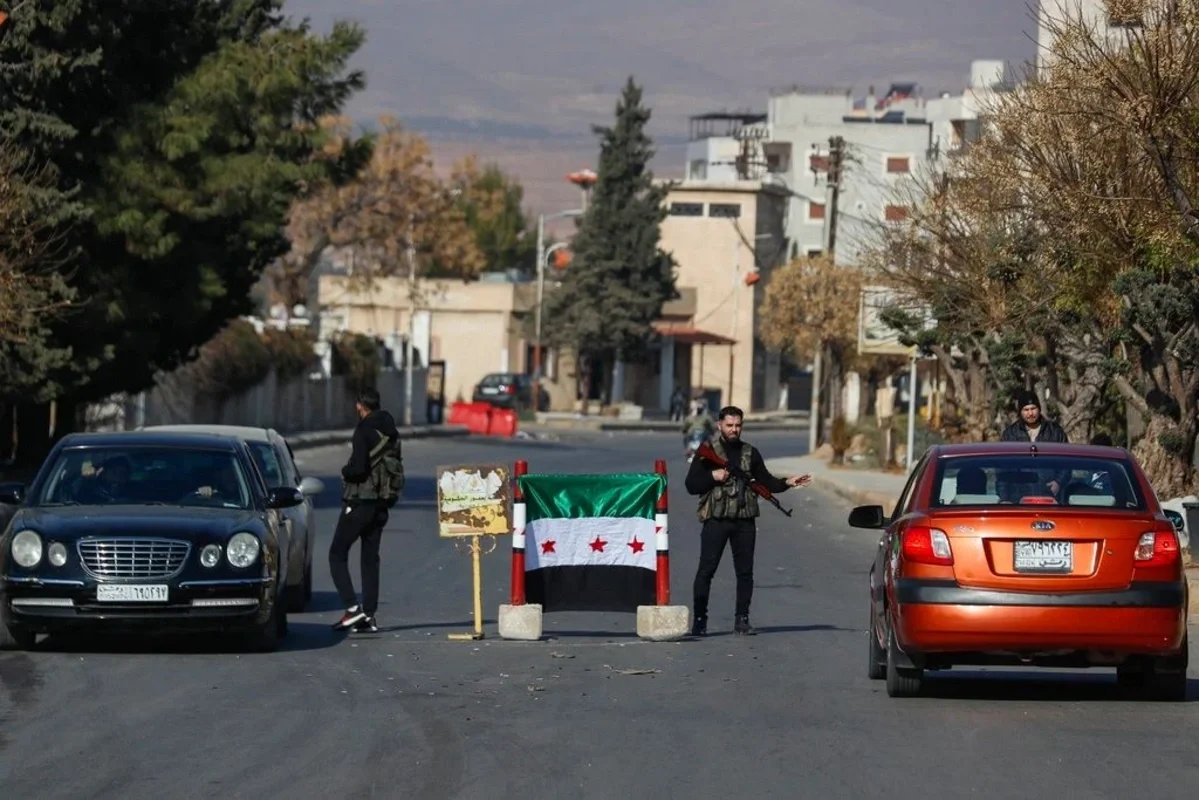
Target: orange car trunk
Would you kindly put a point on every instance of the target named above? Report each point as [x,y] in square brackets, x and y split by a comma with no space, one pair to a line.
[1043,550]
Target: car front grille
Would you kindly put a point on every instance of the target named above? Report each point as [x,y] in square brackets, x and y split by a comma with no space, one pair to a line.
[133,558]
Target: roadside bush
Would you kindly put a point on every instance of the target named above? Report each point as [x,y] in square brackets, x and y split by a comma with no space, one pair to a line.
[292,351]
[356,356]
[232,362]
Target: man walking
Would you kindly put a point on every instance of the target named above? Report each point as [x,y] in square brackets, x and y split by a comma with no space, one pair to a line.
[371,482]
[728,510]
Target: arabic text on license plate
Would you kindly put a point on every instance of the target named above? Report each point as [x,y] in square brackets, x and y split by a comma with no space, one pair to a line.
[1044,556]
[130,593]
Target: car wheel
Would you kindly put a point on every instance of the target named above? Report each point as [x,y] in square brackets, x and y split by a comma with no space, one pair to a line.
[14,638]
[1166,678]
[876,668]
[269,636]
[308,583]
[901,682]
[297,596]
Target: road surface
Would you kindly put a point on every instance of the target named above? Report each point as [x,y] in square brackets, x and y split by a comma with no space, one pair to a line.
[408,714]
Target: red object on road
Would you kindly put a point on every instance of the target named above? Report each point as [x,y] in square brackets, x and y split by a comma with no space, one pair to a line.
[503,422]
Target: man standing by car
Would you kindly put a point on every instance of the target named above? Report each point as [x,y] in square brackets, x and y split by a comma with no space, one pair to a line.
[370,488]
[1033,426]
[728,510]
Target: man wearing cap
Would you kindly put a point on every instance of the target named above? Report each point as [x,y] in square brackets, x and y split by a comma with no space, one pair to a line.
[1032,426]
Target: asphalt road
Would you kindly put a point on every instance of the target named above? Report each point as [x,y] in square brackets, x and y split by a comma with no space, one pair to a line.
[409,714]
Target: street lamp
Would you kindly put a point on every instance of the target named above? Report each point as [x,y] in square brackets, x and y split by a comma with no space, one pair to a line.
[541,256]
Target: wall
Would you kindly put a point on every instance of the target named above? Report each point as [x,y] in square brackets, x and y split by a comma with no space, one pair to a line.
[297,406]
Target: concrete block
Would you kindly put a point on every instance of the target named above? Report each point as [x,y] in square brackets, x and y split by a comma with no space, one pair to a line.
[663,623]
[522,623]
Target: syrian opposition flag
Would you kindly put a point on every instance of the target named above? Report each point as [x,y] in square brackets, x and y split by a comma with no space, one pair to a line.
[590,540]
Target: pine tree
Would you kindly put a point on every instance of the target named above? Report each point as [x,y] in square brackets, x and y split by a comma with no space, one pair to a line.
[618,278]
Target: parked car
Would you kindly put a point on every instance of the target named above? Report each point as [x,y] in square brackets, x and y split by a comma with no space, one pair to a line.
[509,390]
[1048,555]
[277,463]
[151,531]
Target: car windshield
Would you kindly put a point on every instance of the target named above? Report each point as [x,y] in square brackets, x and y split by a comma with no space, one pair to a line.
[991,480]
[171,476]
[268,463]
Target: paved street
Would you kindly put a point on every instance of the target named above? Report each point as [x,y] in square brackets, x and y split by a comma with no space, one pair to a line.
[408,714]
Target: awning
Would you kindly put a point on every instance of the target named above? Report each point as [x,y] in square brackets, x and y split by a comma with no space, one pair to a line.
[686,334]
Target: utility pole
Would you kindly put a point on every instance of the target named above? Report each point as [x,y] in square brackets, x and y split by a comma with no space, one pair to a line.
[411,255]
[836,158]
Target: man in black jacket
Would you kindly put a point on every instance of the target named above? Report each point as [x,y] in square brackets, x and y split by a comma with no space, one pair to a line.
[1033,426]
[728,510]
[364,513]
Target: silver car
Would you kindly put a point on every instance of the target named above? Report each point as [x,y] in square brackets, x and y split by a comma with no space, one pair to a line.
[277,464]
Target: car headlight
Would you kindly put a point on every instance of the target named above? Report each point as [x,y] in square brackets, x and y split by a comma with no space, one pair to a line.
[27,549]
[57,554]
[210,556]
[243,549]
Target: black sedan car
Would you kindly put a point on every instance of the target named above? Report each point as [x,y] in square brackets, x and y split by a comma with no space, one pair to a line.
[146,531]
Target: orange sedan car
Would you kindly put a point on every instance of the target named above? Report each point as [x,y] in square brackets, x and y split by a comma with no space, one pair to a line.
[1050,555]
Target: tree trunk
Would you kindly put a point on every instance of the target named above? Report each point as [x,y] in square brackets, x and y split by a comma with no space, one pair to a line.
[1166,453]
[1077,381]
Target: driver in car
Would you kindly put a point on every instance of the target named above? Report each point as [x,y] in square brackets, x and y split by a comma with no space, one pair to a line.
[222,481]
[105,483]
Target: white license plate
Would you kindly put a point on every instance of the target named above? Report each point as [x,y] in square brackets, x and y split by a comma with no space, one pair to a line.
[1044,556]
[490,390]
[130,593]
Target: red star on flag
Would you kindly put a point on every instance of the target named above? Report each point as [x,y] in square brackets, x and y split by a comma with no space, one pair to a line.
[547,546]
[636,545]
[598,545]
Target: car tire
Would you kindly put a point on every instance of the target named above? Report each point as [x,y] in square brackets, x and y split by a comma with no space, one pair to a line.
[876,668]
[308,583]
[901,682]
[1166,678]
[269,636]
[298,596]
[14,638]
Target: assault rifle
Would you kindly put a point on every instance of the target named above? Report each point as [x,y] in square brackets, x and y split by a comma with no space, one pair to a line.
[706,453]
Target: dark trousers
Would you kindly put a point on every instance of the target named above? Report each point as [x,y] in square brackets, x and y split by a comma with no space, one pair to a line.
[363,521]
[740,535]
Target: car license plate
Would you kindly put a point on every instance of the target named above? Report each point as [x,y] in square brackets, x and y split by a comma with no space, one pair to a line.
[130,593]
[490,390]
[1044,556]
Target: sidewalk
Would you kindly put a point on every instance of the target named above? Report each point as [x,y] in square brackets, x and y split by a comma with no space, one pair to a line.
[857,486]
[759,421]
[310,439]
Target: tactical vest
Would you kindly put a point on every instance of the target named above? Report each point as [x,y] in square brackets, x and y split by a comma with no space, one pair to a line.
[374,488]
[732,500]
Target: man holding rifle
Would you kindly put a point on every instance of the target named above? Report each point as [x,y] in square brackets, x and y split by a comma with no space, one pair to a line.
[729,476]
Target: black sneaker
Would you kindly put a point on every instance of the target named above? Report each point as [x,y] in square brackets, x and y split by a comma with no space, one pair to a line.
[353,615]
[366,625]
[741,627]
[700,626]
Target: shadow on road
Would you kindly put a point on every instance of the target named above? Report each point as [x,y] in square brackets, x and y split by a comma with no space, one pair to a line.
[301,636]
[321,602]
[1033,687]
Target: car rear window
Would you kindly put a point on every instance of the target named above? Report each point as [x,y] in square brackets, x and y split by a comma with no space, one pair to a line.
[496,379]
[1019,479]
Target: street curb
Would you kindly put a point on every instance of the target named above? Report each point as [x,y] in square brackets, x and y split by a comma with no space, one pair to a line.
[1192,574]
[308,441]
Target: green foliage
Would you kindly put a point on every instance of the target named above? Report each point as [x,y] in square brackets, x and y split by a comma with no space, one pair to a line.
[184,130]
[492,204]
[356,356]
[619,278]
[292,351]
[234,361]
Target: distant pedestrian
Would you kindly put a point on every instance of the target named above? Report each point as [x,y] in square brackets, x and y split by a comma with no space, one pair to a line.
[728,510]
[372,481]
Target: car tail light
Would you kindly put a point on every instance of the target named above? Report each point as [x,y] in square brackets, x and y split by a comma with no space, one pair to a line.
[510,389]
[925,545]
[1158,548]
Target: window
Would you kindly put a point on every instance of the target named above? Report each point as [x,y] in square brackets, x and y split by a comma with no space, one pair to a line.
[698,170]
[812,252]
[725,210]
[991,480]
[898,165]
[268,464]
[815,210]
[686,209]
[893,213]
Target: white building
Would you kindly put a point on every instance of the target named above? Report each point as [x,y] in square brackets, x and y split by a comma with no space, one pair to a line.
[1110,17]
[887,141]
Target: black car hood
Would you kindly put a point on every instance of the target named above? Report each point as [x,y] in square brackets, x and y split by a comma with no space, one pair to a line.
[75,522]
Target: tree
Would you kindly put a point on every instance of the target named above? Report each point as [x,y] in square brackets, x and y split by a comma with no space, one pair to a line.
[619,278]
[177,161]
[33,293]
[491,203]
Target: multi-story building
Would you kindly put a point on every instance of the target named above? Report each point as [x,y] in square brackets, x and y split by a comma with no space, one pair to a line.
[1110,18]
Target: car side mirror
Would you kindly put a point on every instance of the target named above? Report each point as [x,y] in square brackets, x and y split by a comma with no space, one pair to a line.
[284,497]
[12,494]
[871,517]
[312,486]
[1175,518]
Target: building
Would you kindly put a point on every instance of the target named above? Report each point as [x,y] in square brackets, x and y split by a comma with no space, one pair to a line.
[890,141]
[1109,18]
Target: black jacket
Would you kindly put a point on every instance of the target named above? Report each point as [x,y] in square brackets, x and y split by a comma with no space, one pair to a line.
[1050,432]
[358,468]
[699,476]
